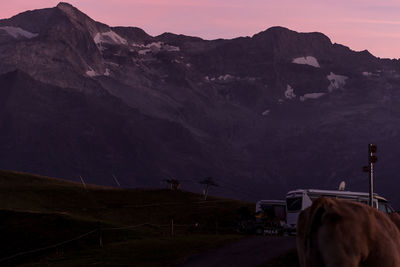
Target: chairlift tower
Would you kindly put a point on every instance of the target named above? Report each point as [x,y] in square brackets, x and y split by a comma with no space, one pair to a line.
[208,182]
[173,184]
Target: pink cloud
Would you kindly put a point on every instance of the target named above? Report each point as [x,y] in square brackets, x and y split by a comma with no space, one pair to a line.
[373,21]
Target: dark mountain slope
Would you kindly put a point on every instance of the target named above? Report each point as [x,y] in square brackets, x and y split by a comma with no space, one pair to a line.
[262,114]
[47,129]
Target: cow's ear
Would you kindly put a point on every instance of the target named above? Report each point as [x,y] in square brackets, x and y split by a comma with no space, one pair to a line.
[333,212]
[331,217]
[325,212]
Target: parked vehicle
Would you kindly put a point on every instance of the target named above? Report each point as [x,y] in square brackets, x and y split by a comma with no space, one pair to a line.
[300,199]
[246,221]
[269,218]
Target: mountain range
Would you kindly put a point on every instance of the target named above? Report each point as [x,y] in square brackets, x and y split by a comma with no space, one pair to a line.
[262,115]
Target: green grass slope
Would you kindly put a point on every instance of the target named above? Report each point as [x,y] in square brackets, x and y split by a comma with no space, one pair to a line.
[40,211]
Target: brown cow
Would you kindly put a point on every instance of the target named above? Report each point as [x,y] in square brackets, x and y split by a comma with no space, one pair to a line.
[341,233]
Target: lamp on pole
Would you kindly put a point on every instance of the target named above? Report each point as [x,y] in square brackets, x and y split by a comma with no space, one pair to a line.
[372,149]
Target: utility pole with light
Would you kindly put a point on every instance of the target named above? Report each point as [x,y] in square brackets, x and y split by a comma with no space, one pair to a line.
[372,149]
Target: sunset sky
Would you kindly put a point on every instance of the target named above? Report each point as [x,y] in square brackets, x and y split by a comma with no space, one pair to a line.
[359,24]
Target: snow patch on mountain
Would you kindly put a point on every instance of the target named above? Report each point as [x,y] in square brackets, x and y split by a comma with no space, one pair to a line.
[156,47]
[311,96]
[226,78]
[171,48]
[289,93]
[230,78]
[223,78]
[337,81]
[17,32]
[309,60]
[91,73]
[266,112]
[144,52]
[109,37]
[366,73]
[137,45]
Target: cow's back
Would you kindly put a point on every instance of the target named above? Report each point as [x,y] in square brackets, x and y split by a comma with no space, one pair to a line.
[335,232]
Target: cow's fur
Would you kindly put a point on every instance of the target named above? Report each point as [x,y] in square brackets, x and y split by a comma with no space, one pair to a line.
[335,232]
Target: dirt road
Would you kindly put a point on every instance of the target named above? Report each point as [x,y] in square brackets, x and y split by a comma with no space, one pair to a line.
[244,253]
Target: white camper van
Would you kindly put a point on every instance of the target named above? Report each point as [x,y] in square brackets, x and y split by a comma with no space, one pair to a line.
[300,199]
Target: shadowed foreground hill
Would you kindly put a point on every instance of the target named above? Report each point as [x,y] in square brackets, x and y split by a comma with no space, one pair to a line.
[25,192]
[38,211]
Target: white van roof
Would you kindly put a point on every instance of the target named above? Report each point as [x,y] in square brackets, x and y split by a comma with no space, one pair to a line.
[272,201]
[350,194]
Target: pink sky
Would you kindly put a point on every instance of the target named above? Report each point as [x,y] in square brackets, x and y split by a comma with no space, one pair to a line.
[359,24]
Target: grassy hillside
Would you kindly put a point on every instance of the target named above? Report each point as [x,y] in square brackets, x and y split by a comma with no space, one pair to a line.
[39,211]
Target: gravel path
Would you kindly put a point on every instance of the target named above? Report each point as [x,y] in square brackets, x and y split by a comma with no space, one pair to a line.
[247,253]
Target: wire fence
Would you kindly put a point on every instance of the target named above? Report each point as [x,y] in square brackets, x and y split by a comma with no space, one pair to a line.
[47,247]
[100,231]
[171,228]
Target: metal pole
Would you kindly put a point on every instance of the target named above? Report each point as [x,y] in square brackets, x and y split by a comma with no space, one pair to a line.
[116,180]
[371,177]
[100,238]
[206,192]
[83,182]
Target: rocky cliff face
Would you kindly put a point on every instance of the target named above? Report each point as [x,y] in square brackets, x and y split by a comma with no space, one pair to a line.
[262,114]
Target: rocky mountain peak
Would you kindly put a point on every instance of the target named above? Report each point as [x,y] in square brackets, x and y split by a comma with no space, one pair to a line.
[65,5]
[70,10]
[80,19]
[290,43]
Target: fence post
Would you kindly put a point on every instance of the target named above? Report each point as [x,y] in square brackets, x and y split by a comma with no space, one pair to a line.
[100,236]
[172,227]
